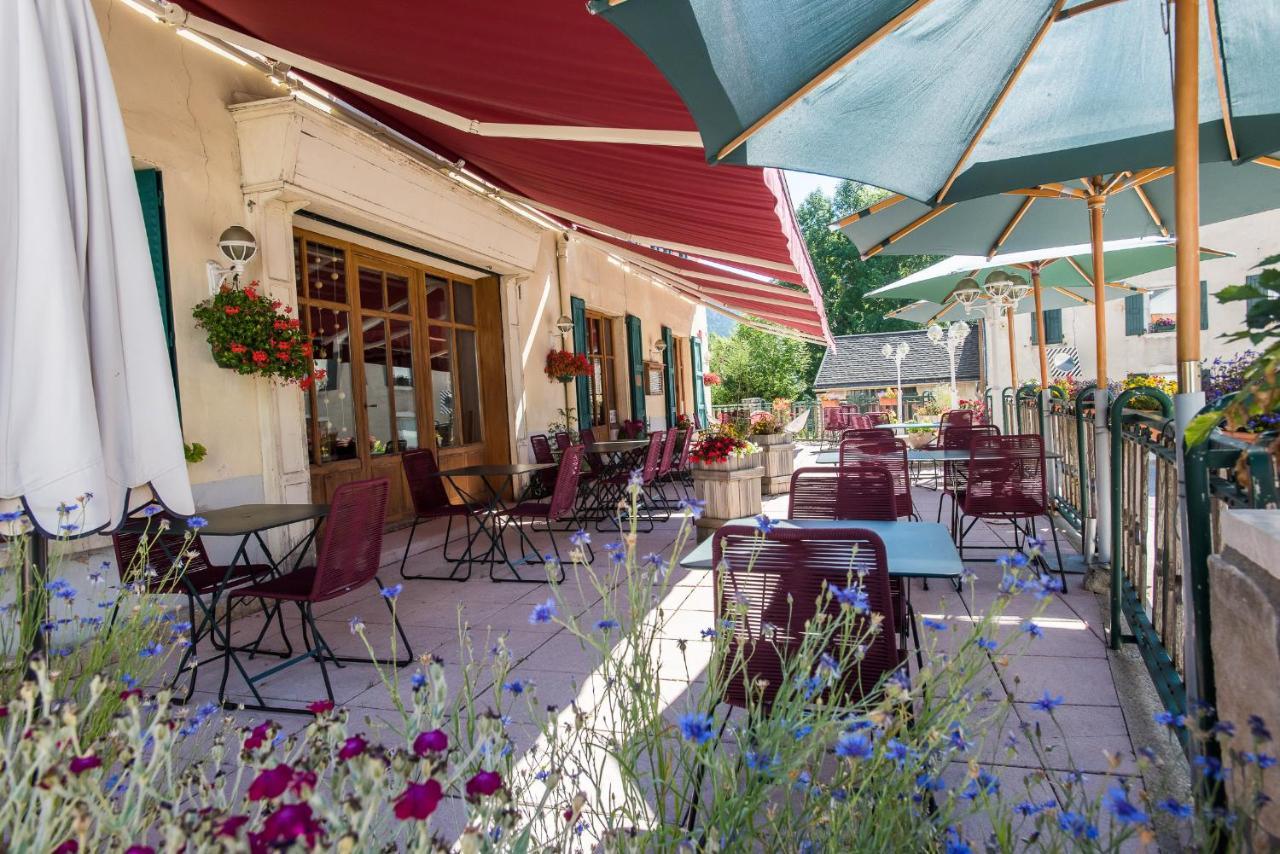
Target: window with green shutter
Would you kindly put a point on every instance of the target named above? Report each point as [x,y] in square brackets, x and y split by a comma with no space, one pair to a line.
[699,387]
[578,308]
[151,198]
[669,375]
[1135,314]
[1053,326]
[1204,304]
[635,364]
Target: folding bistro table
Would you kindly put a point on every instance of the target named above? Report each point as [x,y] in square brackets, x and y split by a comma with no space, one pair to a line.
[611,461]
[492,519]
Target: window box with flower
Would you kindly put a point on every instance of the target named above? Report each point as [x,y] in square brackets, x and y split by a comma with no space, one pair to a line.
[727,475]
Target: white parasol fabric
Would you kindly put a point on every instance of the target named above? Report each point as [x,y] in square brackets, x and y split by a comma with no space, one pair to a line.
[87,407]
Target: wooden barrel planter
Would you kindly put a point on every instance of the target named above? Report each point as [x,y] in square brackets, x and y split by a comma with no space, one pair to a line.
[779,461]
[730,489]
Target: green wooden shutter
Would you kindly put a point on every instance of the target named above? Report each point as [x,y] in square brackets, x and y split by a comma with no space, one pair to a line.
[1035,329]
[669,375]
[151,197]
[635,360]
[699,388]
[578,307]
[1053,326]
[1135,321]
[1204,304]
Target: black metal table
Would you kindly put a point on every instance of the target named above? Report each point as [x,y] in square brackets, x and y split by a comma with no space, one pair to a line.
[493,519]
[610,462]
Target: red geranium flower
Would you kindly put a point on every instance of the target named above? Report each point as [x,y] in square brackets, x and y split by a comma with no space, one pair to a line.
[419,800]
[231,310]
[231,825]
[484,783]
[290,823]
[271,783]
[238,348]
[319,707]
[434,741]
[80,764]
[351,748]
[259,356]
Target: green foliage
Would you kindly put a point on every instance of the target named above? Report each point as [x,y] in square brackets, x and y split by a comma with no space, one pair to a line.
[752,363]
[1260,393]
[194,452]
[844,276]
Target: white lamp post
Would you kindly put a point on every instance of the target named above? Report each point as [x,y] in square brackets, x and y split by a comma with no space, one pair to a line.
[951,339]
[897,355]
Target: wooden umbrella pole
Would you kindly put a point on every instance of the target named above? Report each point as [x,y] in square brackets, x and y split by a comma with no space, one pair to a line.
[1100,534]
[1044,356]
[1097,207]
[1013,358]
[1186,188]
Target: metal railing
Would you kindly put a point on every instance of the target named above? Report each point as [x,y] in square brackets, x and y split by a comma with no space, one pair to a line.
[1149,582]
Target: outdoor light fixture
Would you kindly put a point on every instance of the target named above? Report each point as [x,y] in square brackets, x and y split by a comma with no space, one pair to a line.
[999,286]
[897,354]
[659,346]
[564,325]
[1018,290]
[950,338]
[238,246]
[967,293]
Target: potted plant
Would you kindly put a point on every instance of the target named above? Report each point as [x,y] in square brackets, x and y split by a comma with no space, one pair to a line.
[256,336]
[888,398]
[564,366]
[723,449]
[711,379]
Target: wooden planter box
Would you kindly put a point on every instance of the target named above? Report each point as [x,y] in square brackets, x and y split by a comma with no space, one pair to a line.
[730,489]
[779,461]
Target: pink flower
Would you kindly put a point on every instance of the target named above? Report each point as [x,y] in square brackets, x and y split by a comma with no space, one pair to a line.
[419,800]
[258,736]
[231,825]
[68,847]
[434,741]
[319,707]
[290,823]
[270,783]
[80,764]
[484,783]
[139,849]
[351,748]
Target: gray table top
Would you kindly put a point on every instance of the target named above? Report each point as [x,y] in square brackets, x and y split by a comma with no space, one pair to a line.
[503,470]
[619,445]
[831,458]
[247,518]
[913,549]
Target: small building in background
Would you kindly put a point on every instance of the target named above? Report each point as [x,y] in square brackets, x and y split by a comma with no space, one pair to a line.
[856,370]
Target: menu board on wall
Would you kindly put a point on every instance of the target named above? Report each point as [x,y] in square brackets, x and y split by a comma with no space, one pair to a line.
[653,378]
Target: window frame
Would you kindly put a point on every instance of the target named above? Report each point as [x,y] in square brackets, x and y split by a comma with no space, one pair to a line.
[606,362]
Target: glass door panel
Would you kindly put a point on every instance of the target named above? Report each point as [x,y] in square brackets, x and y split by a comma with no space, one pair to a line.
[467,421]
[378,403]
[403,384]
[442,397]
[334,409]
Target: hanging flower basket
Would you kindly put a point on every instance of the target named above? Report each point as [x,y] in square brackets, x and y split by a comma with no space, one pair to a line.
[710,379]
[564,366]
[253,335]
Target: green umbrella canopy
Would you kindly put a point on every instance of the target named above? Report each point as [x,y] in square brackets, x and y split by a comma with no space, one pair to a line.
[1138,204]
[1065,274]
[973,97]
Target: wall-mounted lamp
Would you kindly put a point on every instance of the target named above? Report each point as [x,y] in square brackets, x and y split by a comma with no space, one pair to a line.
[659,346]
[238,246]
[564,325]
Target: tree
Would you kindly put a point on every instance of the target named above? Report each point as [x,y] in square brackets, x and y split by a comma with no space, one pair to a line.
[752,363]
[845,278]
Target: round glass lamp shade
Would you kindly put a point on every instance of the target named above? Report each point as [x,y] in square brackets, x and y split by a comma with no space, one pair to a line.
[238,245]
[936,333]
[887,351]
[564,325]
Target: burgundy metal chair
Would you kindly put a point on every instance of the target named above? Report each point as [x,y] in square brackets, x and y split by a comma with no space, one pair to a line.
[873,434]
[544,481]
[561,506]
[958,437]
[173,566]
[663,474]
[889,452]
[682,471]
[349,549]
[1006,482]
[618,484]
[430,502]
[878,417]
[858,421]
[563,440]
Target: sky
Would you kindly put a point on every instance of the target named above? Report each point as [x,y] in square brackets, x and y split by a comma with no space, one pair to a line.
[801,184]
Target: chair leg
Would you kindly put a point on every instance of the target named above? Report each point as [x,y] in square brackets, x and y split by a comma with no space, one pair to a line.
[321,648]
[455,575]
[1062,571]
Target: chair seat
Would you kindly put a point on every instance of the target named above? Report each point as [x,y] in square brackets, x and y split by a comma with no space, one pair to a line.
[295,586]
[535,509]
[207,578]
[1005,506]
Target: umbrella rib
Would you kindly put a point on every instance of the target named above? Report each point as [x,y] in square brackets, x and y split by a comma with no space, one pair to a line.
[905,230]
[826,74]
[1151,209]
[1000,98]
[1267,161]
[1085,7]
[868,211]
[1220,72]
[1111,185]
[1012,224]
[1069,295]
[1076,266]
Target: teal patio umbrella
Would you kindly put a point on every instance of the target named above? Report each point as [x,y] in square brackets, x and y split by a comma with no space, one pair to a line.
[946,100]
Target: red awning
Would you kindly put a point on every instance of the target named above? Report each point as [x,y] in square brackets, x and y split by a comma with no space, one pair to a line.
[550,64]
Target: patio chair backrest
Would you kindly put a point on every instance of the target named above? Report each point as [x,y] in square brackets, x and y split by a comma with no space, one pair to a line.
[588,436]
[668,451]
[889,452]
[350,539]
[541,449]
[164,555]
[781,580]
[682,462]
[878,417]
[1006,476]
[858,421]
[425,488]
[859,491]
[652,456]
[958,437]
[960,417]
[831,418]
[865,434]
[563,440]
[565,492]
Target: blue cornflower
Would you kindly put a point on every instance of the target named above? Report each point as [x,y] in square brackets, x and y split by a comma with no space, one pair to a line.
[696,727]
[1117,802]
[64,507]
[390,593]
[1035,544]
[69,528]
[1077,825]
[811,686]
[1170,719]
[1048,703]
[129,681]
[828,664]
[955,843]
[1032,629]
[852,596]
[1265,761]
[1030,808]
[606,625]
[636,479]
[801,731]
[695,507]
[195,523]
[764,524]
[958,741]
[617,552]
[12,516]
[152,510]
[708,634]
[542,775]
[897,751]
[543,612]
[854,745]
[1210,766]
[1226,728]
[1175,808]
[515,686]
[579,538]
[355,625]
[1258,728]
[985,783]
[934,625]
[762,762]
[987,644]
[150,650]
[929,783]
[418,680]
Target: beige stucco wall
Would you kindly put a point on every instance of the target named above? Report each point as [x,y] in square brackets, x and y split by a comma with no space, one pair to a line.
[175,98]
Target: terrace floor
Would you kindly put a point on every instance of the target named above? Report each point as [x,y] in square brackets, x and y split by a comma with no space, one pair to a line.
[1070,660]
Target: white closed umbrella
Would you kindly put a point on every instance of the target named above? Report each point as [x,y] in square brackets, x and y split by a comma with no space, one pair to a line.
[87,406]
